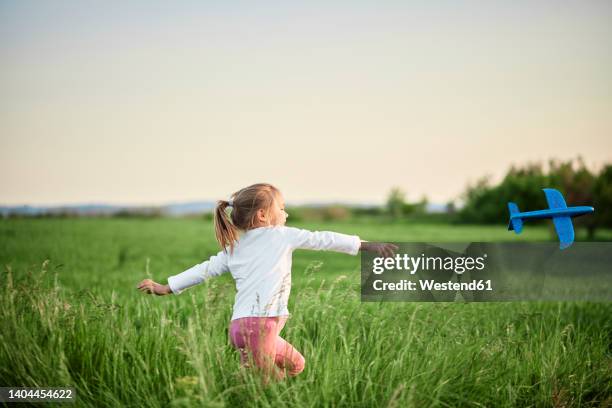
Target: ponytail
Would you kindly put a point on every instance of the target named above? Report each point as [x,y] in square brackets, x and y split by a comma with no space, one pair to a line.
[225,231]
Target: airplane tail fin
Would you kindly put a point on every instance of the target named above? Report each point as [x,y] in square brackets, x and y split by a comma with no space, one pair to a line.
[515,224]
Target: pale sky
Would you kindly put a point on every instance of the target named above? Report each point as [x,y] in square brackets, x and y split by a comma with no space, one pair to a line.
[154,102]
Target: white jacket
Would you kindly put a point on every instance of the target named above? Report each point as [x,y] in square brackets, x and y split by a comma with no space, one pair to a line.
[261,266]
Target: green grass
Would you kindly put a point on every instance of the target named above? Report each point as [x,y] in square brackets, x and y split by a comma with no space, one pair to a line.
[71,316]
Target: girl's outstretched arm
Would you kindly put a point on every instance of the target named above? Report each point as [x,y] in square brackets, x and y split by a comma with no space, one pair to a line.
[214,266]
[323,240]
[334,241]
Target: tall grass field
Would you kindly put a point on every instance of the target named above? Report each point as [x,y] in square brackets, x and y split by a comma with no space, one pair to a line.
[71,316]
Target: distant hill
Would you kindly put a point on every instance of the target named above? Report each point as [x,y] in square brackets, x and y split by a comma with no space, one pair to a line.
[171,210]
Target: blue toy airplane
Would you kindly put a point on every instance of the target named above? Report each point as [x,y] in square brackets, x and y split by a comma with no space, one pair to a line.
[560,213]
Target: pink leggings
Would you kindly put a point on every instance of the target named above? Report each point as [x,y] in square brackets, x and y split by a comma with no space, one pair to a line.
[258,338]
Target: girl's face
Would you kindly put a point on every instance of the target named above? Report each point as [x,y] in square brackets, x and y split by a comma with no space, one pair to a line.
[278,213]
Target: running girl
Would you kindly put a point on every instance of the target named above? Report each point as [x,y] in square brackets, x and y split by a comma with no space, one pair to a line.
[257,249]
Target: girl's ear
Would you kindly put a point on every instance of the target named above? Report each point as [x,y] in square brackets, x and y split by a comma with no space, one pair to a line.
[261,215]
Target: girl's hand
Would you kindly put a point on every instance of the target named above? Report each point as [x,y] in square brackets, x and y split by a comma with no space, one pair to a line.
[382,249]
[151,287]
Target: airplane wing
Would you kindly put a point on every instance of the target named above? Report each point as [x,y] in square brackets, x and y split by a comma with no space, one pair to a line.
[565,230]
[554,198]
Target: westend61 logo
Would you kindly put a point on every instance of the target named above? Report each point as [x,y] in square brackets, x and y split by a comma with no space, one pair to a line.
[487,272]
[414,264]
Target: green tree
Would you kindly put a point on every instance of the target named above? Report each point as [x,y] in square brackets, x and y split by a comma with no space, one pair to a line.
[396,202]
[577,183]
[480,203]
[487,203]
[602,197]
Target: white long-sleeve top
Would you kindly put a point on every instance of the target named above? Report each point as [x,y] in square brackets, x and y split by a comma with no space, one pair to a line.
[261,266]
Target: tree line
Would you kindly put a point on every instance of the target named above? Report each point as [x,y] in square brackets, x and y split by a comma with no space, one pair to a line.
[486,203]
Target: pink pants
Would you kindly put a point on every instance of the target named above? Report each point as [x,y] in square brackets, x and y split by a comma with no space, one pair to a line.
[257,338]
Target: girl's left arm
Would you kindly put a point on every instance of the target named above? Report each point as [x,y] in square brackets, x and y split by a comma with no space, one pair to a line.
[334,241]
[197,274]
[323,241]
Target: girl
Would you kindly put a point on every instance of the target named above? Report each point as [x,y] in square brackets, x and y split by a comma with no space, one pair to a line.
[256,250]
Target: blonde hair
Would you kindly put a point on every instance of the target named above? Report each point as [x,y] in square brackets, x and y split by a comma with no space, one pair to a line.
[244,206]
